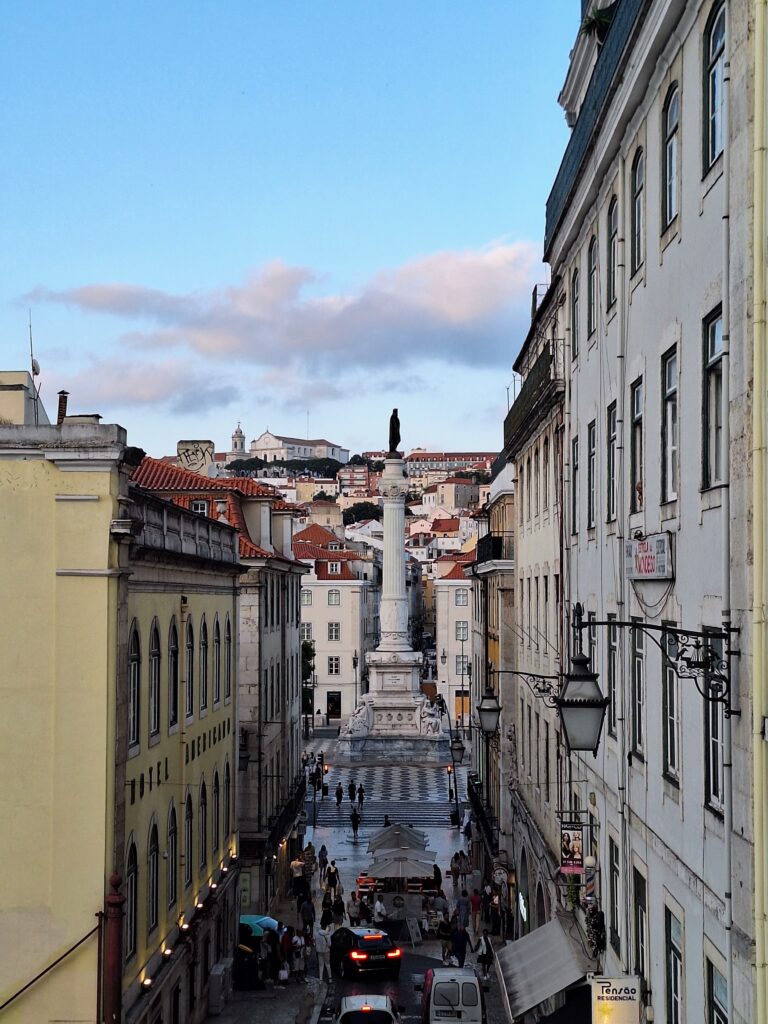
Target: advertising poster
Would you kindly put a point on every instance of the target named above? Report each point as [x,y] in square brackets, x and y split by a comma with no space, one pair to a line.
[615,1000]
[571,847]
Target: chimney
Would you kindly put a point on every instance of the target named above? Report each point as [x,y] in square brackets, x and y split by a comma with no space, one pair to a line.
[62,411]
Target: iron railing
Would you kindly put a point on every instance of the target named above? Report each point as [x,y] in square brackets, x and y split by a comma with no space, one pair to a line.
[541,390]
[496,547]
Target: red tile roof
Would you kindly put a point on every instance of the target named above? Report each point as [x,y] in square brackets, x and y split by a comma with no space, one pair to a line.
[321,571]
[157,475]
[306,551]
[456,573]
[315,534]
[457,556]
[445,526]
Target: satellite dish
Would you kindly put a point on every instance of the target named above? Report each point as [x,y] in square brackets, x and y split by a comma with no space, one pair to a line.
[35,368]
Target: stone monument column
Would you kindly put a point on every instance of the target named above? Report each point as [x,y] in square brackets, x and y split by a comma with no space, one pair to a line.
[394,597]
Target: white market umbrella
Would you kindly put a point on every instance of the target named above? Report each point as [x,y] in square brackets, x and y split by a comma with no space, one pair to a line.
[400,826]
[396,837]
[400,868]
[405,853]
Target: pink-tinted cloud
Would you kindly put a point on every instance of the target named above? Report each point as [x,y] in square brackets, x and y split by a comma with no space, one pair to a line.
[467,308]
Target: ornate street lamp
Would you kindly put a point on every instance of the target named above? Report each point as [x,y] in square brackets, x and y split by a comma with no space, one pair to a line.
[489,711]
[457,750]
[581,706]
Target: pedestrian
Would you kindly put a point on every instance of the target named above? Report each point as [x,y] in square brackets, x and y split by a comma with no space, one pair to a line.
[352,789]
[355,819]
[459,943]
[338,912]
[438,875]
[484,950]
[322,862]
[353,910]
[444,931]
[365,911]
[476,906]
[332,878]
[463,908]
[299,957]
[286,947]
[326,917]
[455,870]
[307,914]
[464,867]
[467,830]
[323,947]
[486,897]
[339,794]
[379,910]
[387,822]
[441,903]
[495,914]
[360,796]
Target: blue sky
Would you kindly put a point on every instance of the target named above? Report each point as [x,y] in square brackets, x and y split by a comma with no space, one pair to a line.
[247,210]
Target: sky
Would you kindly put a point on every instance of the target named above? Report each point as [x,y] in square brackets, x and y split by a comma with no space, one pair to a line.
[292,214]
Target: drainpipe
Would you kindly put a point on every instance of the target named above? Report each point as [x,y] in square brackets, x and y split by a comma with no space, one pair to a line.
[759,663]
[725,519]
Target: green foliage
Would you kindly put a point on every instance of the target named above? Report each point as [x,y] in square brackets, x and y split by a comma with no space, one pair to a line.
[362,510]
[322,496]
[307,660]
[315,467]
[244,467]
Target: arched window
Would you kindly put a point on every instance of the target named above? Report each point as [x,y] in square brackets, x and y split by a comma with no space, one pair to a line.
[216,830]
[714,63]
[154,680]
[188,843]
[575,313]
[529,478]
[592,287]
[334,596]
[671,123]
[173,675]
[612,249]
[153,880]
[216,661]
[189,671]
[173,856]
[203,825]
[638,184]
[134,686]
[131,899]
[227,808]
[536,482]
[227,659]
[545,474]
[203,665]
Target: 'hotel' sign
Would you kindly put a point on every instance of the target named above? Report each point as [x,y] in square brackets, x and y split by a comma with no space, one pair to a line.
[649,558]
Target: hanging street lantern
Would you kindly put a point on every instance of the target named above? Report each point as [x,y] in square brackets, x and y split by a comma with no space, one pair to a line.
[581,705]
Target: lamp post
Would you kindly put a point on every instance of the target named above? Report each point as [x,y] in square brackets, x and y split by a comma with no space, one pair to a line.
[488,713]
[457,756]
[355,663]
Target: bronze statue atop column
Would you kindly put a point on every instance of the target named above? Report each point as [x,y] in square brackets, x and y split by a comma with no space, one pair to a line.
[394,433]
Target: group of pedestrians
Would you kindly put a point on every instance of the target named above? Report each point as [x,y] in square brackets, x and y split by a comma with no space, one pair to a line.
[356,795]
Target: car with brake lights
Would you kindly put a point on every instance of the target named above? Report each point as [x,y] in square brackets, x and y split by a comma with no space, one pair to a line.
[367,1009]
[356,951]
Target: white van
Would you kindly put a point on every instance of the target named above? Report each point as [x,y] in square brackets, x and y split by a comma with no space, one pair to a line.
[452,994]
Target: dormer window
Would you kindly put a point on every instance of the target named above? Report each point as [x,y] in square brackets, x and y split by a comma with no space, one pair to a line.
[334,568]
[334,547]
[201,507]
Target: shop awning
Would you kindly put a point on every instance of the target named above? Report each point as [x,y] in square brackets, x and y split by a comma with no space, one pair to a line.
[541,964]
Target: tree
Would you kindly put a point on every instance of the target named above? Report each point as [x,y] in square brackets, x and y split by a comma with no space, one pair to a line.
[307,669]
[322,496]
[357,460]
[362,510]
[376,465]
[245,466]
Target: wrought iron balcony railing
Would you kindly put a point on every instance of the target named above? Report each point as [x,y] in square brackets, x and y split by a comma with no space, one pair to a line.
[496,547]
[542,389]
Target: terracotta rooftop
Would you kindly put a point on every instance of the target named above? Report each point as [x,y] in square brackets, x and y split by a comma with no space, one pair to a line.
[157,475]
[456,573]
[316,534]
[322,573]
[445,525]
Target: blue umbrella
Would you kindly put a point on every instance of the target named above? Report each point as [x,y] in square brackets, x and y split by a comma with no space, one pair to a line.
[259,921]
[256,929]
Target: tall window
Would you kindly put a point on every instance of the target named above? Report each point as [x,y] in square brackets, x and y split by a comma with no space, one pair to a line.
[305,630]
[173,856]
[574,314]
[612,667]
[227,659]
[334,666]
[334,631]
[462,597]
[529,478]
[536,482]
[613,243]
[717,996]
[227,802]
[216,661]
[670,712]
[591,473]
[131,900]
[203,665]
[154,680]
[203,825]
[610,462]
[575,485]
[462,663]
[153,879]
[216,832]
[545,474]
[638,689]
[673,934]
[671,123]
[188,843]
[712,432]
[334,568]
[334,596]
[173,675]
[592,636]
[545,617]
[713,734]
[669,427]
[134,686]
[462,630]
[636,453]
[306,597]
[640,894]
[189,669]
[520,491]
[714,60]
[638,185]
[614,890]
[592,287]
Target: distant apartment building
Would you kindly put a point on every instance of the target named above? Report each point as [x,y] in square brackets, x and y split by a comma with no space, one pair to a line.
[426,468]
[452,595]
[457,493]
[353,479]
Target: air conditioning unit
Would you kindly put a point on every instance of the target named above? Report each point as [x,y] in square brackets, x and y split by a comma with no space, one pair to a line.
[216,992]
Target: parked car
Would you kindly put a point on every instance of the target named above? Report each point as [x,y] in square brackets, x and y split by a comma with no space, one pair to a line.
[368,1009]
[451,993]
[362,950]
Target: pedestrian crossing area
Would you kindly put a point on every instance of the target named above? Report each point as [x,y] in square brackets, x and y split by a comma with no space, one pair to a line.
[418,795]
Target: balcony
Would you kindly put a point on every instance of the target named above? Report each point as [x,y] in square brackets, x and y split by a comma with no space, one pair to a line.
[605,77]
[541,391]
[496,547]
[484,818]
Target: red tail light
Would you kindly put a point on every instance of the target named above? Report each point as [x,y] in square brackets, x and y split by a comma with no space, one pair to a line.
[394,953]
[358,956]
